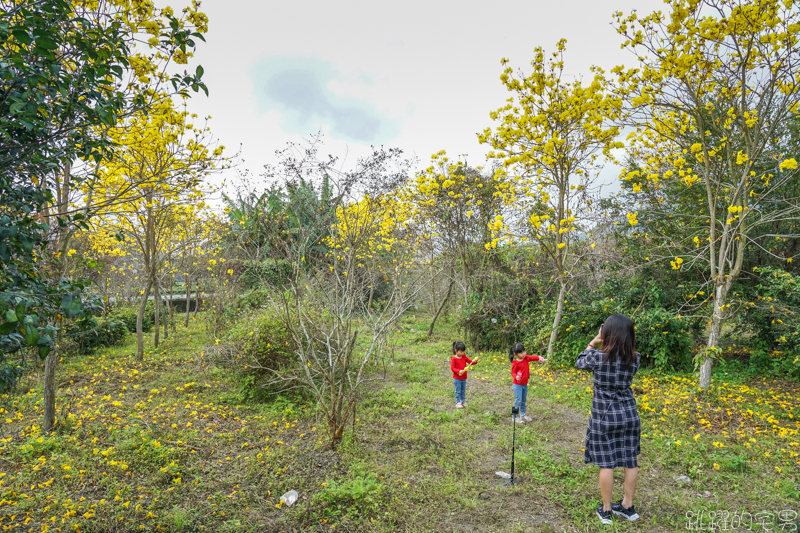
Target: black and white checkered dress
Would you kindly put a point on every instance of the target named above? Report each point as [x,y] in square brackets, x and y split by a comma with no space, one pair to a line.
[612,438]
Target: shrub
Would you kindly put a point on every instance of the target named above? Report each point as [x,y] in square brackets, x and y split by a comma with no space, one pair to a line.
[772,316]
[257,274]
[505,308]
[261,345]
[127,315]
[88,341]
[252,299]
[664,340]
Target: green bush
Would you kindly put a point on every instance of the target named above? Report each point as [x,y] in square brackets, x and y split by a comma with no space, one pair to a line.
[664,340]
[772,315]
[262,344]
[257,274]
[127,315]
[252,299]
[505,308]
[88,341]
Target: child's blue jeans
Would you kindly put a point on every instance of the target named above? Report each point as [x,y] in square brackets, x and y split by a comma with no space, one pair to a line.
[520,397]
[461,390]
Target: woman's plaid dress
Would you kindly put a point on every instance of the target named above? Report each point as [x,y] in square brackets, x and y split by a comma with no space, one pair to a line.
[612,438]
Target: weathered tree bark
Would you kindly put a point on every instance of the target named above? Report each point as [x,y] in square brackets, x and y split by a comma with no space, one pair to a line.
[551,347]
[166,311]
[196,298]
[172,306]
[188,302]
[50,364]
[157,310]
[714,335]
[441,306]
[139,320]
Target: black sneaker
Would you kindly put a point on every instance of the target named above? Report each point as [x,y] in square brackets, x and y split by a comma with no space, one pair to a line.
[629,513]
[604,516]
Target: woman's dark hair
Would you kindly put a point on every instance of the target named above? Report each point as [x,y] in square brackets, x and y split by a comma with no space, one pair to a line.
[459,346]
[517,348]
[619,340]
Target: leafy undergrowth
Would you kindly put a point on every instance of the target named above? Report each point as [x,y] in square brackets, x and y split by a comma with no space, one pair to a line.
[161,445]
[170,445]
[737,426]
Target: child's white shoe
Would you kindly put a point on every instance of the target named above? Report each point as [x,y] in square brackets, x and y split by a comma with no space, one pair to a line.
[519,419]
[526,418]
[459,405]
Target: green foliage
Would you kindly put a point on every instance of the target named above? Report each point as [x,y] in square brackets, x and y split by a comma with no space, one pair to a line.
[262,345]
[88,341]
[506,306]
[283,221]
[773,316]
[664,340]
[357,498]
[128,315]
[256,274]
[509,311]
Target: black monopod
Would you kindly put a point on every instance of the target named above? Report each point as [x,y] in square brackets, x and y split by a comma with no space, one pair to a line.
[514,415]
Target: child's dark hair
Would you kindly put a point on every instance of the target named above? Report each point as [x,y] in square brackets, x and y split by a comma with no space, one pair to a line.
[517,348]
[459,346]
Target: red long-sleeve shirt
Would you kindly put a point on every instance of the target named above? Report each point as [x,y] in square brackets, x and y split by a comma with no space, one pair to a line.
[458,364]
[520,369]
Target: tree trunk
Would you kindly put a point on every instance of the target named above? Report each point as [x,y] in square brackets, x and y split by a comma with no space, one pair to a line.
[556,321]
[139,330]
[196,298]
[188,302]
[444,302]
[172,306]
[165,309]
[157,317]
[714,336]
[50,364]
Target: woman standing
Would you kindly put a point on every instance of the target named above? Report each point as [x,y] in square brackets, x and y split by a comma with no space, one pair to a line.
[612,438]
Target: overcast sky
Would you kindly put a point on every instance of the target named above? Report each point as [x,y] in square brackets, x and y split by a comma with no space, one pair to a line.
[418,75]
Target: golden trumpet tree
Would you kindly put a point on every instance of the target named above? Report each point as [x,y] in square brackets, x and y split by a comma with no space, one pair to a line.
[166,157]
[454,205]
[715,89]
[550,135]
[156,39]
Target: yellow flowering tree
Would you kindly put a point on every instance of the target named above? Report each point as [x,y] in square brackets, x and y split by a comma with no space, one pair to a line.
[155,39]
[550,135]
[158,172]
[455,206]
[714,91]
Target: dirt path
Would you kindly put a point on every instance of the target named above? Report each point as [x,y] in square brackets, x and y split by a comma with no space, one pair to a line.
[549,455]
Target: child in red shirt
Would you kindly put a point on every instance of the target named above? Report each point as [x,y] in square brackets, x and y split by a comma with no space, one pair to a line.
[520,371]
[458,364]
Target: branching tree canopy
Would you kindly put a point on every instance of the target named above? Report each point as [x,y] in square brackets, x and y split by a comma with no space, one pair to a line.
[715,90]
[68,73]
[550,136]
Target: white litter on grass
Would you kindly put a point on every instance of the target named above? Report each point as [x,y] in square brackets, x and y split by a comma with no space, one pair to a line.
[503,475]
[289,498]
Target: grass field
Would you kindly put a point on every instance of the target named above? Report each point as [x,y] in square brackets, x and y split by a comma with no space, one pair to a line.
[171,445]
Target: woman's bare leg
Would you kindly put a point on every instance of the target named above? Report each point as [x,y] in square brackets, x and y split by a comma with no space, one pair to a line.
[631,477]
[606,486]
